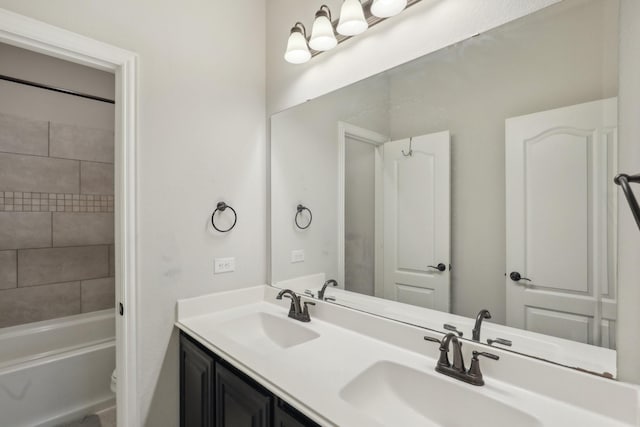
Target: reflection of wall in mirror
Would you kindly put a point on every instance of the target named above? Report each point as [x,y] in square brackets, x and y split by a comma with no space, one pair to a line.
[304,154]
[561,56]
[359,220]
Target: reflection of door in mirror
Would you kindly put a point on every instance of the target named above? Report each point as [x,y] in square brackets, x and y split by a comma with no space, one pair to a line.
[558,169]
[417,220]
[403,200]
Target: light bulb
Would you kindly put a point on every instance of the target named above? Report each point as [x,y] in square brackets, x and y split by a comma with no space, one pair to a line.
[352,20]
[387,8]
[322,34]
[297,49]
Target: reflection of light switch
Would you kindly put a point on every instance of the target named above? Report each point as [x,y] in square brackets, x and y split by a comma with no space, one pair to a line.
[224,265]
[297,255]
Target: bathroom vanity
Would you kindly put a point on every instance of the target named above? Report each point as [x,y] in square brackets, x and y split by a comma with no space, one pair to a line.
[243,358]
[214,392]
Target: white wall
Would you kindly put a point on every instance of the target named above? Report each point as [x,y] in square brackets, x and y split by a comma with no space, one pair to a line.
[629,162]
[424,28]
[202,139]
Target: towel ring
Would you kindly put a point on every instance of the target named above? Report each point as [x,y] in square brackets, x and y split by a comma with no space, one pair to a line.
[299,210]
[222,206]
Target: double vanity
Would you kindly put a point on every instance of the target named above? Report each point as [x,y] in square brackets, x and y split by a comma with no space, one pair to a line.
[249,358]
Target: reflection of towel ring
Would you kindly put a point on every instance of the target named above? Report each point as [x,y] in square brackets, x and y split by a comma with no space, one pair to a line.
[222,206]
[300,209]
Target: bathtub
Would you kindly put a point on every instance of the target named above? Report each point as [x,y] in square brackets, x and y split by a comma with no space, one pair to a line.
[56,371]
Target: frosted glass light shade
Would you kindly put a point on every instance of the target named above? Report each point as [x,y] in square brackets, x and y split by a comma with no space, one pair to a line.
[297,49]
[387,8]
[352,20]
[322,35]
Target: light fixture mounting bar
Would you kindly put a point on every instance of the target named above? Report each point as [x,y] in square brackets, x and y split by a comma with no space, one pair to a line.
[371,20]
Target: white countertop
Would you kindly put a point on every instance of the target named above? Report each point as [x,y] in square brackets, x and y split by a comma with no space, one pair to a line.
[558,350]
[312,375]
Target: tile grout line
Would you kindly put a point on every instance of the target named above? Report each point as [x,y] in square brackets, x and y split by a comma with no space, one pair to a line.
[64,282]
[59,247]
[11,153]
[17,282]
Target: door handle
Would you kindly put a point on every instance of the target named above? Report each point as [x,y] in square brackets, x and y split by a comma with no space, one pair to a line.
[439,267]
[516,277]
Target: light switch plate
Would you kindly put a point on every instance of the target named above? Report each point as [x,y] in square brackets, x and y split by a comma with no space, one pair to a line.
[297,255]
[224,265]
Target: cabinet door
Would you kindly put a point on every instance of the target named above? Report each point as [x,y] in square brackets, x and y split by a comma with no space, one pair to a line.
[196,385]
[238,403]
[286,416]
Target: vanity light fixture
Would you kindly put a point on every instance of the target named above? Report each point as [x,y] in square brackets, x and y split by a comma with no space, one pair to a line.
[387,8]
[355,17]
[297,48]
[352,21]
[323,37]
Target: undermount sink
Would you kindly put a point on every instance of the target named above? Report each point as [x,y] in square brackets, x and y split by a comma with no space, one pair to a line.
[396,395]
[264,332]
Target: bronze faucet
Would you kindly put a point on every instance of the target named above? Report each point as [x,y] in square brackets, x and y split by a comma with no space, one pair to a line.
[295,310]
[483,314]
[457,370]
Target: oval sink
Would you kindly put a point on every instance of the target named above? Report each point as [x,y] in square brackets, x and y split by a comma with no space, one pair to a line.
[264,332]
[396,395]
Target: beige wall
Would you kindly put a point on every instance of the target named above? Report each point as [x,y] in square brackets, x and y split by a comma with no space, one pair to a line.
[56,190]
[201,105]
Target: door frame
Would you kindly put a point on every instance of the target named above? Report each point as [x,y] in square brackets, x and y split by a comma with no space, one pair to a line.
[28,33]
[347,130]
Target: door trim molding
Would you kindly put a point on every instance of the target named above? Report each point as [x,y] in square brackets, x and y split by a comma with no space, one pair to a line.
[27,33]
[347,130]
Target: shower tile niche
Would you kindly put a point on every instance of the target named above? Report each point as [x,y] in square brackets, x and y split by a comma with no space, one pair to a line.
[56,220]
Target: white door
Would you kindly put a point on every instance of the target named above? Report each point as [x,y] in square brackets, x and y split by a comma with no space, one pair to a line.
[561,222]
[417,221]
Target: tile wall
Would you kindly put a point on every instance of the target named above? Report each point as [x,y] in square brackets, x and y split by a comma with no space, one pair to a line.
[56,220]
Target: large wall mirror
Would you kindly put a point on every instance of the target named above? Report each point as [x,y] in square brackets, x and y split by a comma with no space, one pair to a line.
[478,177]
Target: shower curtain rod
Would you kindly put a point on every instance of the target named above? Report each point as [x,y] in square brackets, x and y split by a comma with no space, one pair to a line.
[56,89]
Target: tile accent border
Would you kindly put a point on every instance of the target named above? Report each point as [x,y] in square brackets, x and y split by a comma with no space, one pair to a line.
[16,201]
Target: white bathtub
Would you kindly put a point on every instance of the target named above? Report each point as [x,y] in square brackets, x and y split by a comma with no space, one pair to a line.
[56,371]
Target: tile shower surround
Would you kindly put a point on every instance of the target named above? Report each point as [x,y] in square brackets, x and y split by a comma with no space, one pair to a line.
[56,220]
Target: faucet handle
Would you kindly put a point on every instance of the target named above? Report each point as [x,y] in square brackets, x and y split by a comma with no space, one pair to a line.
[444,356]
[309,293]
[474,369]
[304,316]
[426,338]
[452,328]
[502,341]
[485,354]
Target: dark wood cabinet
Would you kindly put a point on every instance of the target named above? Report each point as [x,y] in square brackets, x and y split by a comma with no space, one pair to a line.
[287,416]
[238,402]
[214,393]
[196,385]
